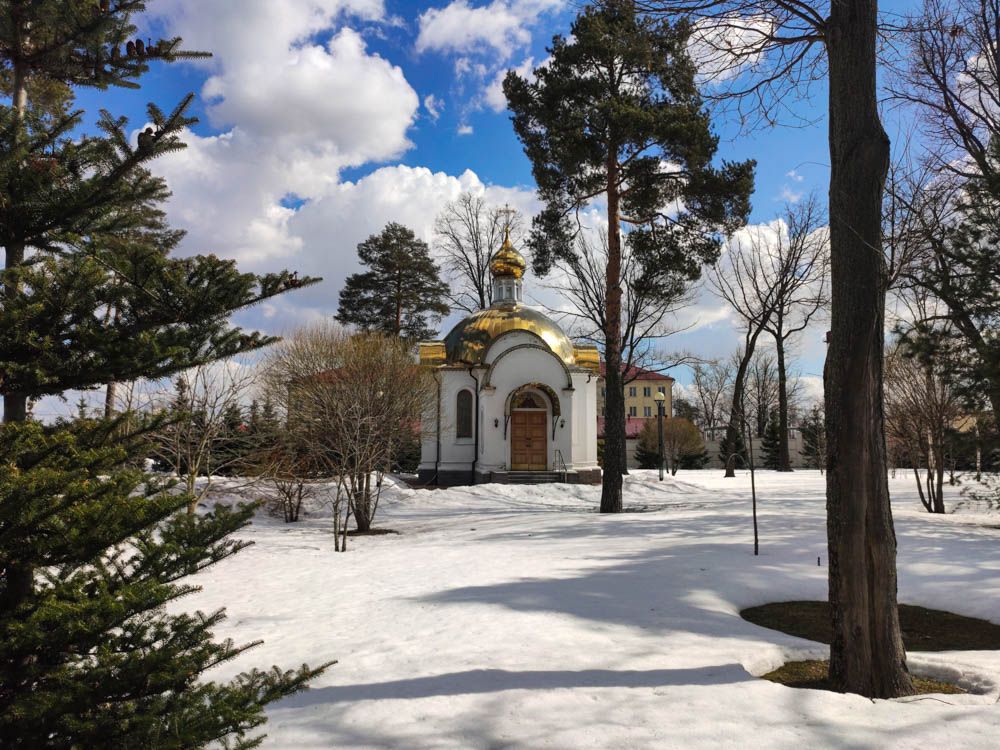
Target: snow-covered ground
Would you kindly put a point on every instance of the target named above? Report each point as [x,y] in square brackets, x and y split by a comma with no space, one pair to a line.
[516,616]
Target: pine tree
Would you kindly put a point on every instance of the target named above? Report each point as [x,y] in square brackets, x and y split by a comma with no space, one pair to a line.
[401,294]
[612,106]
[91,550]
[814,438]
[771,444]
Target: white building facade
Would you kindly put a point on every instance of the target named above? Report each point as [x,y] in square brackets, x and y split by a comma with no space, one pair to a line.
[516,400]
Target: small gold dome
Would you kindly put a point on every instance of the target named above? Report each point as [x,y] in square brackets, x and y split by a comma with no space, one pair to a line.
[468,342]
[507,261]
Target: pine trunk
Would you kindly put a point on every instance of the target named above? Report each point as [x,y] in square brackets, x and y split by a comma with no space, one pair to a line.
[614,402]
[866,654]
[784,458]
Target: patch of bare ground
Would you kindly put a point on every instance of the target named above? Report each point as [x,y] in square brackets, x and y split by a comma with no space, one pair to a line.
[812,674]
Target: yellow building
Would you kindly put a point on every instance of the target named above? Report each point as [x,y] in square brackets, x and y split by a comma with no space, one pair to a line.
[641,387]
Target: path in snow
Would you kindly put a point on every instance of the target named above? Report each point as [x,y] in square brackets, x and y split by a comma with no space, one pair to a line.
[516,616]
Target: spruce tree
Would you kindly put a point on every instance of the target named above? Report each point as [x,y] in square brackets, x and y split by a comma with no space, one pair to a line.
[615,113]
[91,550]
[814,438]
[771,444]
[401,294]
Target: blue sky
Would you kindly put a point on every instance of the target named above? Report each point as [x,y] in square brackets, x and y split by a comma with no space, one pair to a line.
[321,120]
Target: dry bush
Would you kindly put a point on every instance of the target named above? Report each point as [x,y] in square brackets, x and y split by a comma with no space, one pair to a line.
[351,402]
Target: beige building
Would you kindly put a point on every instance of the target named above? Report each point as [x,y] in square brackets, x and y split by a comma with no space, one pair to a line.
[641,387]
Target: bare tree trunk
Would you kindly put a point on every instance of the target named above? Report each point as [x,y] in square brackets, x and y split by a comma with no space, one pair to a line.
[109,399]
[614,402]
[784,458]
[866,653]
[733,429]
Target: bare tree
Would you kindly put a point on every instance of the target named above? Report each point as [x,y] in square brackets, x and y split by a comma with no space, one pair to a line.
[712,385]
[951,73]
[681,439]
[761,390]
[744,277]
[466,234]
[920,410]
[354,401]
[801,293]
[203,437]
[650,300]
[765,53]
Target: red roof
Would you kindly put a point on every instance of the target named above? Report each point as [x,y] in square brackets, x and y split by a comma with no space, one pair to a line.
[638,373]
[633,425]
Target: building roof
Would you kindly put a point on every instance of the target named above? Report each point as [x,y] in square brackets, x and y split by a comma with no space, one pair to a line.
[633,426]
[639,373]
[468,342]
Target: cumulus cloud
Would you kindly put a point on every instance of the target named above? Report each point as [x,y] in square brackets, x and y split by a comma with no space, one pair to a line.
[464,129]
[493,96]
[497,28]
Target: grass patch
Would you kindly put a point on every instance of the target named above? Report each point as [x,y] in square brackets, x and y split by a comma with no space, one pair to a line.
[813,674]
[923,629]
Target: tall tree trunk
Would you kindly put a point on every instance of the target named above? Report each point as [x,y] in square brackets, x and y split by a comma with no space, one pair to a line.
[614,401]
[18,575]
[399,305]
[737,418]
[15,405]
[866,654]
[784,458]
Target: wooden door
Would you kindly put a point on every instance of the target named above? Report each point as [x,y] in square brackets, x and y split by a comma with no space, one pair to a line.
[529,447]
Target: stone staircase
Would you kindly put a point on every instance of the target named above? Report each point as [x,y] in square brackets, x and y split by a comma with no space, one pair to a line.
[533,477]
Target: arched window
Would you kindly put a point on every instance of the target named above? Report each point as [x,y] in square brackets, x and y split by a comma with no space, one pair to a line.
[463,415]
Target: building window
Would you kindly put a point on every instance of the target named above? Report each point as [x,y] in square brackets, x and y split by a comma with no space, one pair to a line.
[632,411]
[647,391]
[647,411]
[661,389]
[463,415]
[631,391]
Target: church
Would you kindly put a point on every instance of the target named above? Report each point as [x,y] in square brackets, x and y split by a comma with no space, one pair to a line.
[516,400]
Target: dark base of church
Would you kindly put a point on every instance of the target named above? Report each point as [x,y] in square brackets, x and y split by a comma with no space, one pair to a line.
[463,478]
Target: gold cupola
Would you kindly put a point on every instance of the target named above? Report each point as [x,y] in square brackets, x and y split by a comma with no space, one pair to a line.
[470,340]
[507,262]
[507,268]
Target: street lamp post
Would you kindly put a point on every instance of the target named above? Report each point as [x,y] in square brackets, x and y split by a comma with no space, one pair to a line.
[660,396]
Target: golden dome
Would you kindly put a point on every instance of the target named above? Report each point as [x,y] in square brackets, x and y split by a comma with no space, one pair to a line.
[507,261]
[468,342]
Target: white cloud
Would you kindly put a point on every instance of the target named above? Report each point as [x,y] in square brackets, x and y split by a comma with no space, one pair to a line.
[493,96]
[464,129]
[724,48]
[790,196]
[793,175]
[434,106]
[497,28]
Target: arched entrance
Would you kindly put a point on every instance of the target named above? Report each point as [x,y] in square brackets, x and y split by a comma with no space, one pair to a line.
[529,440]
